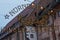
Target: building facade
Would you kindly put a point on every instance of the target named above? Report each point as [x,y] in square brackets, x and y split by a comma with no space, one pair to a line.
[39,21]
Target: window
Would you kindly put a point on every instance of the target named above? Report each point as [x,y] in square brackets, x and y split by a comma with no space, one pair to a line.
[58,1]
[59,14]
[31,35]
[59,36]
